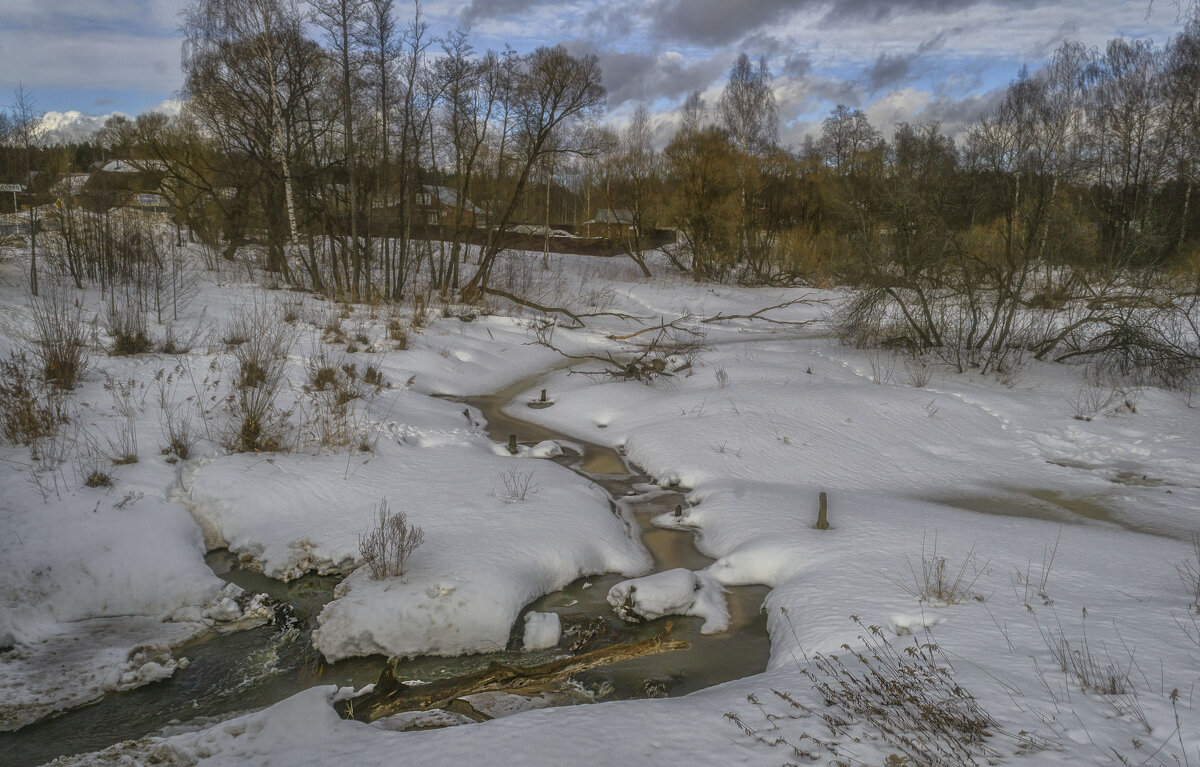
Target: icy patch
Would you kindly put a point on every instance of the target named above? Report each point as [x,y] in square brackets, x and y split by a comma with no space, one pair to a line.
[542,631]
[674,592]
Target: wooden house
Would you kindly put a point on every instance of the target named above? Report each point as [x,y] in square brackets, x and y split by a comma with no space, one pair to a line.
[609,223]
[439,205]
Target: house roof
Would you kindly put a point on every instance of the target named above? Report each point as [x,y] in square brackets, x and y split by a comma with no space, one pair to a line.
[131,166]
[449,197]
[612,216]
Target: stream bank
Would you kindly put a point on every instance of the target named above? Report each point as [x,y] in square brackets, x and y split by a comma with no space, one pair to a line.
[228,674]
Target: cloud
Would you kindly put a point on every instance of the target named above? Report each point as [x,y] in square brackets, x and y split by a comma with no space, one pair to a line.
[73,125]
[877,11]
[889,70]
[638,76]
[715,22]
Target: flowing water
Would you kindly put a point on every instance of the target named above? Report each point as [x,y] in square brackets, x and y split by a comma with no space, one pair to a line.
[245,670]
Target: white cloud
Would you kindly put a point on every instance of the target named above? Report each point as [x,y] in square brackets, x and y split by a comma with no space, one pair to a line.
[73,125]
[901,105]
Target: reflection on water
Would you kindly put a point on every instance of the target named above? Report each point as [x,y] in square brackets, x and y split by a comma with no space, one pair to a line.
[1052,506]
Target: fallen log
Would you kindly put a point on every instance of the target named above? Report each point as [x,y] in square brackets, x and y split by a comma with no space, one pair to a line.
[391,696]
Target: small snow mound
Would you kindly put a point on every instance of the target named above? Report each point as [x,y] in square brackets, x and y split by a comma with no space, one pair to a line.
[542,631]
[547,449]
[147,663]
[225,610]
[674,592]
[906,625]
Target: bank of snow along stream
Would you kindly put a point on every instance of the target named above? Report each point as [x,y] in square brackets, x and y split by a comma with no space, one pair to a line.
[330,629]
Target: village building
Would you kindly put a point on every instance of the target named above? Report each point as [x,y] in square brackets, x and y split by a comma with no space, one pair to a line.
[609,223]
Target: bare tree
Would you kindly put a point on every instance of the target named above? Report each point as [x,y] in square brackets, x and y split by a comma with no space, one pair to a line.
[552,89]
[247,71]
[25,120]
[633,175]
[343,22]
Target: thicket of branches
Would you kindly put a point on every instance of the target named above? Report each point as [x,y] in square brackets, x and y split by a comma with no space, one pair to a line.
[317,131]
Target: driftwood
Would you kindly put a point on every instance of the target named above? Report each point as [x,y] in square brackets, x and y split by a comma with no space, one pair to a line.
[391,696]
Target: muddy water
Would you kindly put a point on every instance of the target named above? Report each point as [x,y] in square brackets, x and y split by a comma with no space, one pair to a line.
[231,673]
[1054,506]
[741,651]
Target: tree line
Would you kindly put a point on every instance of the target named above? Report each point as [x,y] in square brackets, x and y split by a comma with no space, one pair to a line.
[316,131]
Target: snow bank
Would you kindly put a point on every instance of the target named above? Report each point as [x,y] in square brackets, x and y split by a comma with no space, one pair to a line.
[487,553]
[674,592]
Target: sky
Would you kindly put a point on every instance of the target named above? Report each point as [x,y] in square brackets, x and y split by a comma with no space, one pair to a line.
[899,60]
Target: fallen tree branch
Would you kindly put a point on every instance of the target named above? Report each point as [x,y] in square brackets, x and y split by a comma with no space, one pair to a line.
[576,318]
[759,315]
[391,696]
[673,324]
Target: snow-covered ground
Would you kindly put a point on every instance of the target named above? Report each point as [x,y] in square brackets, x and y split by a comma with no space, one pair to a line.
[1065,533]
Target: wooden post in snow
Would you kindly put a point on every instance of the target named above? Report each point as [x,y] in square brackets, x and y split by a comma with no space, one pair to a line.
[823,512]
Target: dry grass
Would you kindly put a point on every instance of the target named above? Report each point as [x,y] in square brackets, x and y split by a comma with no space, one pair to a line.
[60,339]
[1189,573]
[905,696]
[939,582]
[29,411]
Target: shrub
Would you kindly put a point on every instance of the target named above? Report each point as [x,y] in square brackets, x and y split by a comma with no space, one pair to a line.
[28,412]
[518,485]
[263,342]
[125,322]
[387,546]
[257,425]
[59,339]
[98,478]
[324,371]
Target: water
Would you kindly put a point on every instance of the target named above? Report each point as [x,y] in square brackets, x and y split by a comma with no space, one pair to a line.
[232,673]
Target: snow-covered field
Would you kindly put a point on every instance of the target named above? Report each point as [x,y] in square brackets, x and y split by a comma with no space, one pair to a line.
[1066,534]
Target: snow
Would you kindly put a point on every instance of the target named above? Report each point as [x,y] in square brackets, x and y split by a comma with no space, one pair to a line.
[1059,525]
[542,631]
[291,514]
[673,592]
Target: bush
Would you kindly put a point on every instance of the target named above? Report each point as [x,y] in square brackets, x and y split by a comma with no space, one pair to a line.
[59,339]
[257,425]
[387,546]
[261,341]
[29,412]
[125,322]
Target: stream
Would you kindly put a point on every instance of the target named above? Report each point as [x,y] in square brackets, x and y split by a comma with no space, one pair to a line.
[231,673]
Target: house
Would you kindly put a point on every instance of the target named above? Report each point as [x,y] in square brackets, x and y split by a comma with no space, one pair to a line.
[609,223]
[127,184]
[439,205]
